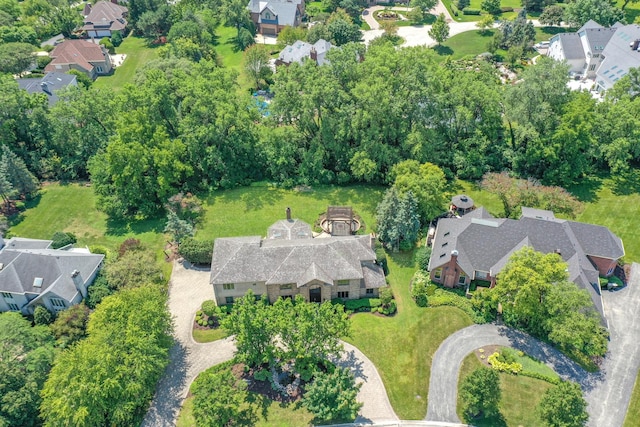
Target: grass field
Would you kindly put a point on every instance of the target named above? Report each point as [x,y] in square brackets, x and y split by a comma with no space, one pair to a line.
[473,43]
[520,396]
[475,4]
[72,208]
[208,335]
[138,53]
[402,346]
[267,413]
[632,11]
[225,47]
[633,413]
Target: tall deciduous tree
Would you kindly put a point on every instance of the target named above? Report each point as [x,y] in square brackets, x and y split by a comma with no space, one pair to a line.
[440,29]
[398,220]
[26,355]
[256,64]
[552,15]
[480,393]
[427,183]
[332,396]
[492,7]
[218,397]
[70,325]
[604,12]
[110,377]
[424,5]
[563,406]
[16,57]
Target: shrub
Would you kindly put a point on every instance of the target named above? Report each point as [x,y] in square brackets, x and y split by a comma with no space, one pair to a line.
[381,259]
[210,308]
[419,288]
[390,309]
[43,61]
[95,249]
[374,303]
[116,38]
[108,45]
[498,362]
[262,375]
[506,9]
[450,298]
[539,376]
[42,316]
[431,289]
[470,11]
[386,295]
[454,10]
[61,239]
[462,3]
[130,244]
[196,251]
[421,258]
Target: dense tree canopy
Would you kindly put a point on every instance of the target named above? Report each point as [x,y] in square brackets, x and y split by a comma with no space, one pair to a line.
[26,355]
[480,393]
[563,406]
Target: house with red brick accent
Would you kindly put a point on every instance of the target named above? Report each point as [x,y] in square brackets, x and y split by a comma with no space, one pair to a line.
[82,55]
[477,246]
[272,16]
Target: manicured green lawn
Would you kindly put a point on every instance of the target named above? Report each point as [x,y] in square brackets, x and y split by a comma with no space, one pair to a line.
[632,11]
[72,208]
[138,53]
[633,413]
[402,346]
[267,413]
[251,210]
[225,47]
[473,43]
[520,396]
[208,335]
[475,4]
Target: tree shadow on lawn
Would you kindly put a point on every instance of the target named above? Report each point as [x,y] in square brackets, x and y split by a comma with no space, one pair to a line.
[32,202]
[553,30]
[494,421]
[403,259]
[253,197]
[121,227]
[587,190]
[626,184]
[443,50]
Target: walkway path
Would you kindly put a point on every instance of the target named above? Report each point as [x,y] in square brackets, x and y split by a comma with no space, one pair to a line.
[188,288]
[607,392]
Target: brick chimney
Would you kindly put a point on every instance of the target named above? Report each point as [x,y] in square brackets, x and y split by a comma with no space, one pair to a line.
[313,54]
[288,214]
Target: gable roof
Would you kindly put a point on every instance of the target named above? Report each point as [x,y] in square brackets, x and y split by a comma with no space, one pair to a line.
[289,229]
[106,15]
[299,261]
[49,84]
[300,50]
[285,10]
[618,56]
[79,52]
[571,46]
[486,244]
[23,268]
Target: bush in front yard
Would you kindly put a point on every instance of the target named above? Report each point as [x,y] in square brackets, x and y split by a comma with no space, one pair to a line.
[196,251]
[61,239]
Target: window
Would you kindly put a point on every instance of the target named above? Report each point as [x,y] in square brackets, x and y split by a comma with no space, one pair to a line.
[228,300]
[343,294]
[445,244]
[343,283]
[462,278]
[57,304]
[610,271]
[228,286]
[13,307]
[369,291]
[437,274]
[592,67]
[446,234]
[481,275]
[99,69]
[258,297]
[7,295]
[286,287]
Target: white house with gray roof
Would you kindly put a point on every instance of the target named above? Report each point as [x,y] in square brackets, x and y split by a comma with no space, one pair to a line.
[32,274]
[599,53]
[477,246]
[301,51]
[290,261]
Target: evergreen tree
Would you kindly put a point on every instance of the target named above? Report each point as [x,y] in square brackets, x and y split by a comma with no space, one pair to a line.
[17,173]
[398,220]
[6,189]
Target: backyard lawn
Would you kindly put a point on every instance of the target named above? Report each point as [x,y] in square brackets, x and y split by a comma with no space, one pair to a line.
[208,335]
[138,53]
[476,4]
[520,396]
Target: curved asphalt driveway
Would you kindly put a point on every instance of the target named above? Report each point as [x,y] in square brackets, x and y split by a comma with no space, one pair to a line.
[607,392]
[445,368]
[188,288]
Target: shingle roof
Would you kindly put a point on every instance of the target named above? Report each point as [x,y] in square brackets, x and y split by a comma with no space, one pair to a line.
[49,84]
[80,52]
[571,46]
[487,244]
[618,56]
[285,10]
[462,201]
[106,15]
[22,266]
[301,50]
[279,261]
[289,229]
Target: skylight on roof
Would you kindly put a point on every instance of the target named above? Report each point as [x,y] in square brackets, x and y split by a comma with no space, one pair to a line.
[37,282]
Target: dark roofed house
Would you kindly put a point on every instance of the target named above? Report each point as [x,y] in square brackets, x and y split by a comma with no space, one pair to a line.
[271,16]
[49,85]
[104,18]
[82,55]
[477,247]
[32,274]
[291,262]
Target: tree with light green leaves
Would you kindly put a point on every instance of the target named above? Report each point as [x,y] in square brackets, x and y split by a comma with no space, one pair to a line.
[332,396]
[398,220]
[440,29]
[563,406]
[218,398]
[256,64]
[480,394]
[427,183]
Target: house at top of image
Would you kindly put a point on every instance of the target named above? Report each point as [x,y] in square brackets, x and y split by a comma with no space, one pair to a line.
[595,52]
[290,261]
[477,246]
[271,16]
[103,18]
[32,274]
[82,55]
[302,51]
[49,85]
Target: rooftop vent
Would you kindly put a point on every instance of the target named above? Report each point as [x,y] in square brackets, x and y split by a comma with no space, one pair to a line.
[37,282]
[454,252]
[74,273]
[1,266]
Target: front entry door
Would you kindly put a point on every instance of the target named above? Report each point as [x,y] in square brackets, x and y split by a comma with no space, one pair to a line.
[315,295]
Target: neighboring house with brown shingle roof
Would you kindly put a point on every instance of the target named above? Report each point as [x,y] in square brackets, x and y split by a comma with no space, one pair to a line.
[32,274]
[104,18]
[477,246]
[290,262]
[85,56]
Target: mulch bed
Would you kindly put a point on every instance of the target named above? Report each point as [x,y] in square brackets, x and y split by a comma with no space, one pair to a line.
[216,324]
[488,351]
[263,387]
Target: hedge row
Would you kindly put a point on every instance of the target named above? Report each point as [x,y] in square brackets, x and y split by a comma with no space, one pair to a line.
[470,11]
[539,376]
[447,298]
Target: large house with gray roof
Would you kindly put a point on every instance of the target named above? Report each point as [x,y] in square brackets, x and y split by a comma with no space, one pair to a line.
[302,51]
[33,274]
[477,246]
[271,16]
[290,261]
[599,53]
